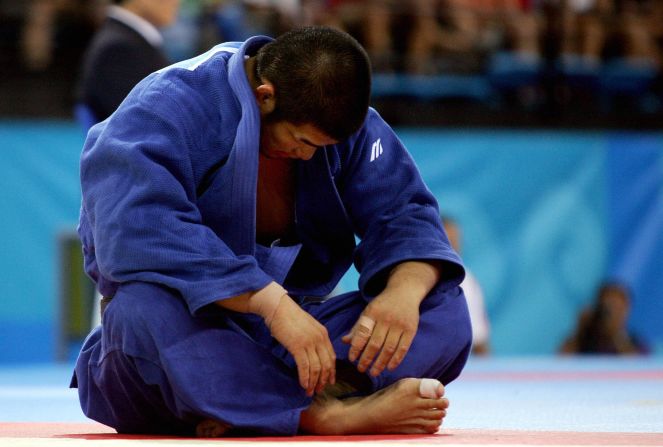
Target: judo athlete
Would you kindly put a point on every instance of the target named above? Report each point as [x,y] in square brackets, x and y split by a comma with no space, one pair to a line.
[221,202]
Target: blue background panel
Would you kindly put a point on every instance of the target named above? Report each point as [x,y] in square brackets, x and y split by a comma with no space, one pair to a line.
[546,215]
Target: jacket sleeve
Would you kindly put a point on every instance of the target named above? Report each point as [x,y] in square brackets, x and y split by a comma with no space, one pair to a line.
[139,197]
[393,212]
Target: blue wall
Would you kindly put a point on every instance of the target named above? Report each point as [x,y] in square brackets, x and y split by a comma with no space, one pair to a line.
[39,197]
[545,216]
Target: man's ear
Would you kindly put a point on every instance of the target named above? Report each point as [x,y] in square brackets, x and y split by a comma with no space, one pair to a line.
[265,97]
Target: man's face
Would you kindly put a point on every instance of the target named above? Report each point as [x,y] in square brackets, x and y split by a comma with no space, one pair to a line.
[282,139]
[615,304]
[160,13]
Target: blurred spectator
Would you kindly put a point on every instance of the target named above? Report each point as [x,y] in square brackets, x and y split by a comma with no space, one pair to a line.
[631,58]
[12,14]
[457,35]
[633,36]
[585,26]
[582,29]
[382,26]
[473,294]
[124,50]
[371,22]
[446,36]
[602,328]
[50,24]
[520,25]
[415,36]
[571,62]
[515,69]
[185,37]
[40,42]
[238,20]
[53,26]
[655,24]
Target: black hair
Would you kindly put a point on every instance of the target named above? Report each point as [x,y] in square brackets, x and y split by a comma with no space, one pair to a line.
[593,335]
[321,76]
[612,286]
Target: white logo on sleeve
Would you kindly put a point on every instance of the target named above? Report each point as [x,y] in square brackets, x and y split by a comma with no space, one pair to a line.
[376,150]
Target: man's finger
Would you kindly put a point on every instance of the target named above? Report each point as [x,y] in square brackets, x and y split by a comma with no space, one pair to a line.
[362,333]
[332,358]
[327,368]
[324,368]
[403,347]
[315,368]
[387,352]
[373,346]
[301,359]
[366,322]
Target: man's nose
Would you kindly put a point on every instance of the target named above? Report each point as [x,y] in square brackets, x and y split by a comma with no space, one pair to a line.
[306,152]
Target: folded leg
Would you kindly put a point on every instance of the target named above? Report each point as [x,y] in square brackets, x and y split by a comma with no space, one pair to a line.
[439,350]
[154,368]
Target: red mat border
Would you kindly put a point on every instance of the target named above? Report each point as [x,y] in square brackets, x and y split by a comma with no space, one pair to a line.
[561,375]
[94,431]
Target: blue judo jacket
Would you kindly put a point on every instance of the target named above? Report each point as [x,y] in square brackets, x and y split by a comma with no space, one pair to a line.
[169,194]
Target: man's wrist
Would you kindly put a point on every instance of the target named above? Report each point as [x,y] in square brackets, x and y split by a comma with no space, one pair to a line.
[265,301]
[414,279]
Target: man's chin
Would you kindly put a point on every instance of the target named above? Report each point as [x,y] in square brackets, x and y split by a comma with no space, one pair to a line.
[273,155]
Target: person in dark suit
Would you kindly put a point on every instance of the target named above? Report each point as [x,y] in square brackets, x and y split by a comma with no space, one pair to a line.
[124,50]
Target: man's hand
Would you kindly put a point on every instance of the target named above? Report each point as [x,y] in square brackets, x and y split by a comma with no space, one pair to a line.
[308,342]
[389,323]
[385,329]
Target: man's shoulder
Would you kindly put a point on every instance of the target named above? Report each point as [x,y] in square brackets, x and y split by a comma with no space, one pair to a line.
[201,79]
[211,59]
[194,98]
[372,123]
[373,118]
[181,80]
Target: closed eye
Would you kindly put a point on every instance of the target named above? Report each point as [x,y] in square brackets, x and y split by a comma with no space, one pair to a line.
[309,143]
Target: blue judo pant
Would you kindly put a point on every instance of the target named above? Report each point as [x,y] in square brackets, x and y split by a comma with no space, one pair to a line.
[153,368]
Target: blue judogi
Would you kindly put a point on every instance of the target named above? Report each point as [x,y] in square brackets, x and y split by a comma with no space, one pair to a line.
[168,228]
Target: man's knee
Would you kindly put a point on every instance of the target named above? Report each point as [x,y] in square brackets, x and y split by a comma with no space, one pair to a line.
[460,317]
[139,317]
[448,306]
[445,321]
[142,299]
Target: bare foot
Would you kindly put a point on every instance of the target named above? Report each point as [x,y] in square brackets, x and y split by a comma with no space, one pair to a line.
[398,408]
[209,428]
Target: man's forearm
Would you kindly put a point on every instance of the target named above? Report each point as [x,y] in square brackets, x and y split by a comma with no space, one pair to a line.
[414,278]
[262,302]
